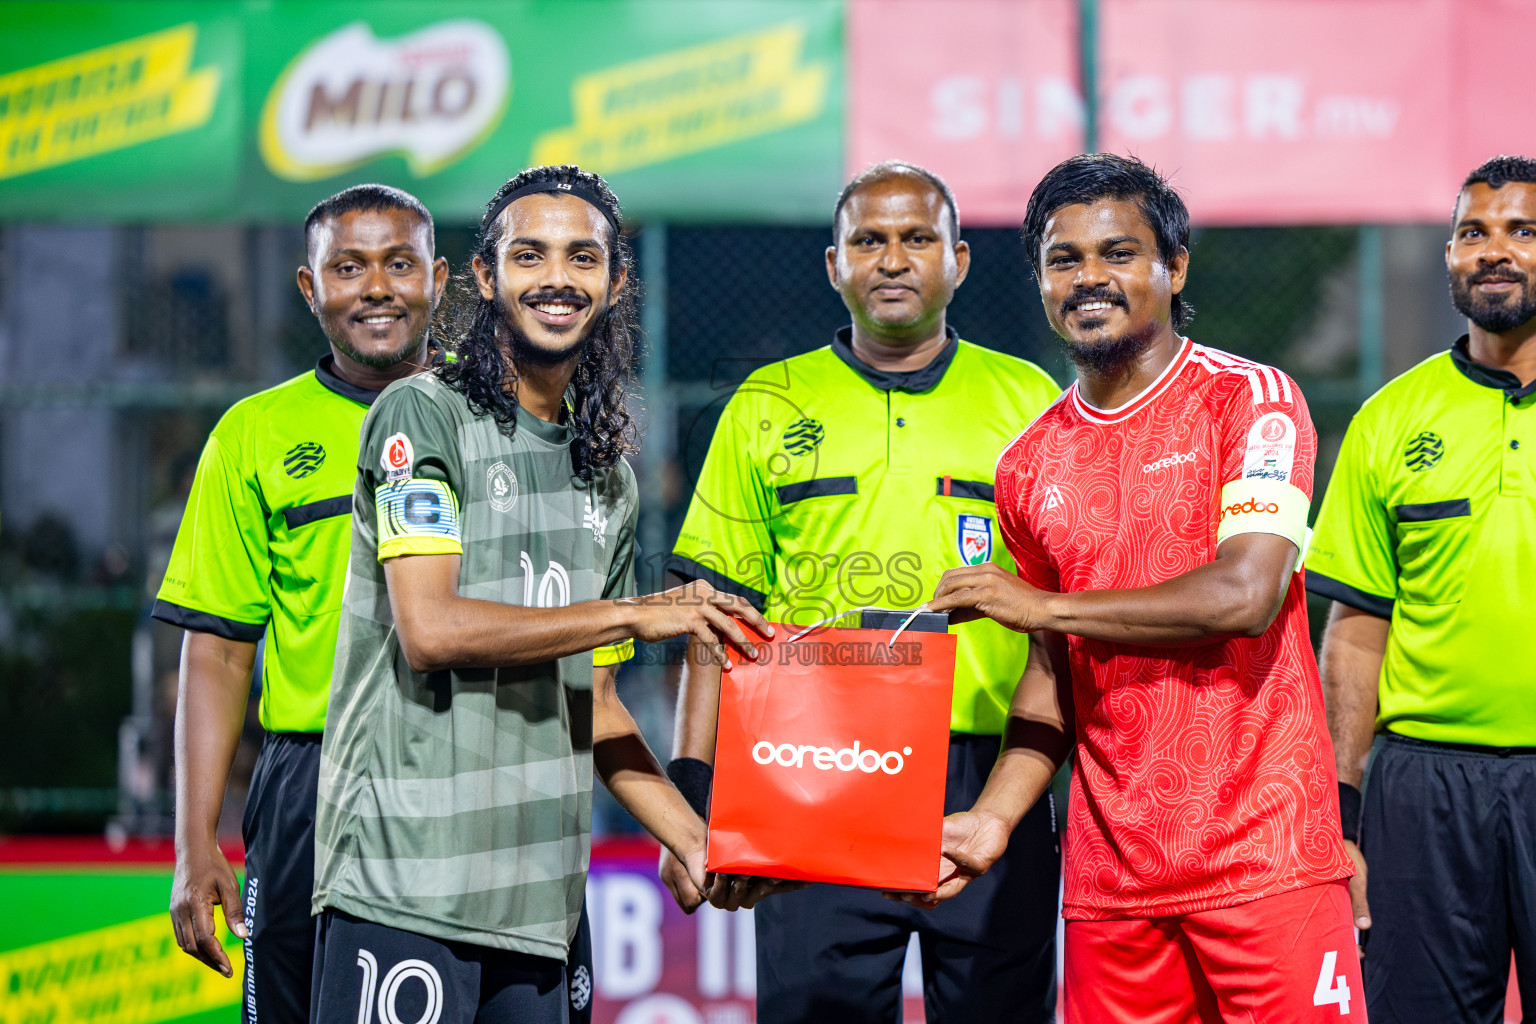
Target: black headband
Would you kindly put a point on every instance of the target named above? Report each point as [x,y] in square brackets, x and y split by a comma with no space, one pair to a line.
[576,189]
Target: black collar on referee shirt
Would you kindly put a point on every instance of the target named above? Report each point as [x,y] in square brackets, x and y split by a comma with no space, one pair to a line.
[325,369]
[1487,376]
[912,380]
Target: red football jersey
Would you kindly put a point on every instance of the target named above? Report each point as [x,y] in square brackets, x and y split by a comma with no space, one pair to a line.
[1204,774]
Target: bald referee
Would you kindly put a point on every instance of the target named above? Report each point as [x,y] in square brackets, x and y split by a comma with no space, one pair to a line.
[855,475]
[1426,542]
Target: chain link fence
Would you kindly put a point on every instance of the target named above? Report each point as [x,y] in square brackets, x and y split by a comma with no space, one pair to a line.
[198,317]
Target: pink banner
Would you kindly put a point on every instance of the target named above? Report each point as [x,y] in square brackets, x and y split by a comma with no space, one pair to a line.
[656,965]
[1263,111]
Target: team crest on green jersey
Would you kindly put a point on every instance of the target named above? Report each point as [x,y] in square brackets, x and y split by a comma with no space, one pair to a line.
[501,487]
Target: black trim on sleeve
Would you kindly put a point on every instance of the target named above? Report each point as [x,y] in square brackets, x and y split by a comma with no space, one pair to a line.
[1327,586]
[978,489]
[916,381]
[822,487]
[202,622]
[1432,510]
[688,569]
[314,511]
[325,372]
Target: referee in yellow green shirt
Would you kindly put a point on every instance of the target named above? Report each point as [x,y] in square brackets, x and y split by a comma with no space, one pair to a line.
[1426,542]
[855,475]
[262,553]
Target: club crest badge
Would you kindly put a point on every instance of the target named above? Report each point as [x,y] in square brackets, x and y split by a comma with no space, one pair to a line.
[398,457]
[1423,452]
[303,459]
[501,487]
[974,538]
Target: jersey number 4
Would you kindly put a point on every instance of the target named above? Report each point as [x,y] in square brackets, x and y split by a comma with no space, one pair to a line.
[1331,989]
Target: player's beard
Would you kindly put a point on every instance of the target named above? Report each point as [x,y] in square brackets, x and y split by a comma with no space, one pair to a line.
[1494,316]
[379,361]
[1104,357]
[525,352]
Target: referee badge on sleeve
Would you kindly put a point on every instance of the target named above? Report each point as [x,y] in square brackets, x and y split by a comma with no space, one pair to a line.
[974,539]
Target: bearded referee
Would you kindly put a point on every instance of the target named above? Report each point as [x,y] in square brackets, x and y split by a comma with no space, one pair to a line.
[855,475]
[1426,543]
[262,552]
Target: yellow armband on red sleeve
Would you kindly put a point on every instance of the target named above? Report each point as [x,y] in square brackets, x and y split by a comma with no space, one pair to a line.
[1255,505]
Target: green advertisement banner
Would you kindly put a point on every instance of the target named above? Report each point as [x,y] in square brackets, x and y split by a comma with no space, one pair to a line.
[253,111]
[129,110]
[95,946]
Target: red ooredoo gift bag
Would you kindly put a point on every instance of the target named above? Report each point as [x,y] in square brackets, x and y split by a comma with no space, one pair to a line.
[831,756]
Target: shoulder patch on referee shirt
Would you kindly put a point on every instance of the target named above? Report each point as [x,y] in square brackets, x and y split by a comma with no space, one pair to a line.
[1271,452]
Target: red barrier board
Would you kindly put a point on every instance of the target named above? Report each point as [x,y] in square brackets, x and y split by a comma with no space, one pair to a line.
[1263,112]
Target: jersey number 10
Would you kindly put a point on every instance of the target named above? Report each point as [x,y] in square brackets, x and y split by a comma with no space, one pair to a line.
[390,989]
[554,589]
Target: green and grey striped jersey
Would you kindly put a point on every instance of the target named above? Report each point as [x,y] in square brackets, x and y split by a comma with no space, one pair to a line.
[458,804]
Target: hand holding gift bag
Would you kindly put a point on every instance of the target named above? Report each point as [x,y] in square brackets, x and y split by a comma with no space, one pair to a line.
[830,756]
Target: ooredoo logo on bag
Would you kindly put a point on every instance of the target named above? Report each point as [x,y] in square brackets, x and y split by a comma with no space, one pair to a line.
[796,755]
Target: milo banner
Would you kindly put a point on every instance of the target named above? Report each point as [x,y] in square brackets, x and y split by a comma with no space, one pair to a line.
[252,111]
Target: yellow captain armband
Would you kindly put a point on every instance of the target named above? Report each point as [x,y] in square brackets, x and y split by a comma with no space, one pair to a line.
[613,654]
[1255,505]
[417,517]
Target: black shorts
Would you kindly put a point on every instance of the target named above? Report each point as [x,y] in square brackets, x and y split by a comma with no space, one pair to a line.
[833,953]
[1449,838]
[279,832]
[368,973]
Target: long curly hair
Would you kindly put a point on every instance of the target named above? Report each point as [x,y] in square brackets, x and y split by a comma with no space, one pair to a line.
[478,362]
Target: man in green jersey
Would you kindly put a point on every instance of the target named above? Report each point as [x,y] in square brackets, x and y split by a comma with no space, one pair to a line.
[488,605]
[851,476]
[261,553]
[1426,542]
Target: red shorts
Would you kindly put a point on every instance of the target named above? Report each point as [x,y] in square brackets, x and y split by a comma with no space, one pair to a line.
[1283,958]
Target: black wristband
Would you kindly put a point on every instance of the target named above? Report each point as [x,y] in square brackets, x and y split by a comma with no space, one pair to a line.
[1349,812]
[692,778]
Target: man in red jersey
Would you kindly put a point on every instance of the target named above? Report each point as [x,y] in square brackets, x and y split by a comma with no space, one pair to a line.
[1157,512]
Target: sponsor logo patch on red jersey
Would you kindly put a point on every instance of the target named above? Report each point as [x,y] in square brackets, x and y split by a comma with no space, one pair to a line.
[1271,450]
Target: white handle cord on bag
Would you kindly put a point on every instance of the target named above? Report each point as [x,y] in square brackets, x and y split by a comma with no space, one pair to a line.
[862,608]
[830,618]
[905,623]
